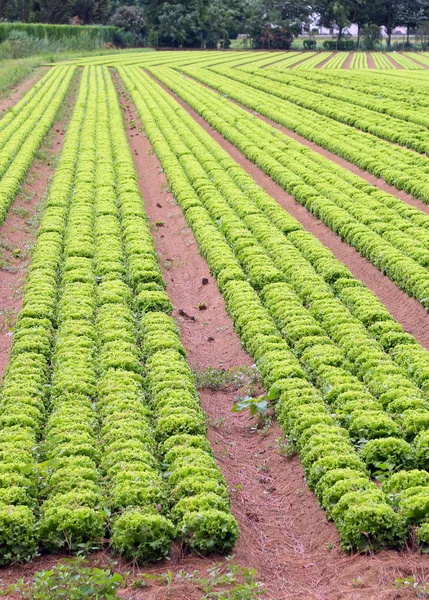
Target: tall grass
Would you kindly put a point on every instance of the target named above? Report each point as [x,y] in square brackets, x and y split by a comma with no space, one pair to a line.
[20,40]
[42,31]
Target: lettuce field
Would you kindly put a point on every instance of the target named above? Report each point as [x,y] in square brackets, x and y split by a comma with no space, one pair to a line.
[263,211]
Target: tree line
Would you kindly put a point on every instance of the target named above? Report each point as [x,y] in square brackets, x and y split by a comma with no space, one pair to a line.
[211,23]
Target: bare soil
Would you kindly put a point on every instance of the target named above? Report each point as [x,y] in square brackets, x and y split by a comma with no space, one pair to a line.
[19,90]
[323,63]
[394,63]
[284,534]
[18,232]
[409,312]
[371,63]
[347,63]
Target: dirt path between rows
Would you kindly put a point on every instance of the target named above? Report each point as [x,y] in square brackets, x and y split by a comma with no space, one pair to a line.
[371,63]
[326,60]
[342,162]
[18,91]
[18,232]
[417,62]
[284,534]
[394,63]
[409,312]
[348,62]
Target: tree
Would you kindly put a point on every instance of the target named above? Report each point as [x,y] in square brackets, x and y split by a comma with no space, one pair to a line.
[371,36]
[422,34]
[289,10]
[23,8]
[364,13]
[130,18]
[8,10]
[251,17]
[91,11]
[178,25]
[411,13]
[335,13]
[53,11]
[221,19]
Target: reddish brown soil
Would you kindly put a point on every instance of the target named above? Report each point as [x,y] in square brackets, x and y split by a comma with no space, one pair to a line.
[394,63]
[371,63]
[347,63]
[20,89]
[416,60]
[323,63]
[372,179]
[18,232]
[284,534]
[410,313]
[300,61]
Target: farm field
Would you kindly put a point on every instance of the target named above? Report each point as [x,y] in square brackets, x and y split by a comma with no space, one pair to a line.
[214,323]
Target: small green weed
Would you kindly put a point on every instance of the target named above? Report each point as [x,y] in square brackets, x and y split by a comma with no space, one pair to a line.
[420,589]
[285,447]
[22,212]
[69,580]
[7,319]
[224,379]
[225,582]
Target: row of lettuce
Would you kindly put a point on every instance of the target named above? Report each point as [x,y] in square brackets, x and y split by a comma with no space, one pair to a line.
[101,429]
[410,110]
[351,385]
[384,229]
[403,168]
[23,129]
[411,93]
[410,132]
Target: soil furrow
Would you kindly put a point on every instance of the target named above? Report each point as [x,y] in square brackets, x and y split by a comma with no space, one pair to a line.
[20,89]
[409,312]
[263,480]
[371,63]
[18,232]
[284,534]
[342,162]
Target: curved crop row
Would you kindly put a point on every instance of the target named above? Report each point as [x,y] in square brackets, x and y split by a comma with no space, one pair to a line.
[77,357]
[198,492]
[19,112]
[392,107]
[313,61]
[196,195]
[362,303]
[364,82]
[320,258]
[381,61]
[395,245]
[22,137]
[72,512]
[381,125]
[398,166]
[405,62]
[262,271]
[124,263]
